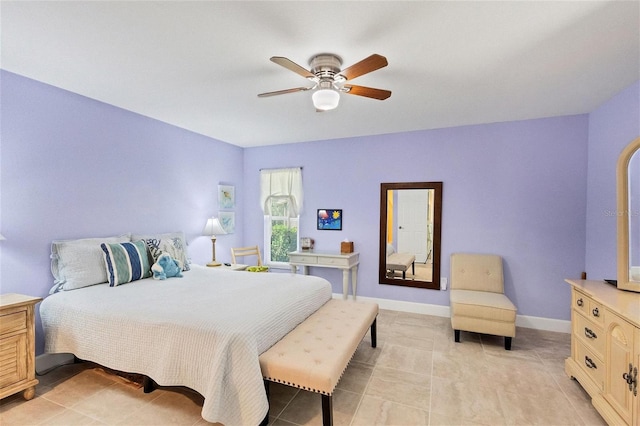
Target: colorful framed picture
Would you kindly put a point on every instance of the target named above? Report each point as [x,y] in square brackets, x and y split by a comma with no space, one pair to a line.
[330,219]
[228,221]
[226,196]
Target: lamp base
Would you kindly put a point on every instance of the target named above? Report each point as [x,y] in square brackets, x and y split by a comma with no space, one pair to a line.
[214,263]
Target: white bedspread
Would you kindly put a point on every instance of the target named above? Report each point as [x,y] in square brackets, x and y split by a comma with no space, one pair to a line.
[204,331]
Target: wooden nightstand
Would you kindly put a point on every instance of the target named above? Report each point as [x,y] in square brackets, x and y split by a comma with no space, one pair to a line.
[17,345]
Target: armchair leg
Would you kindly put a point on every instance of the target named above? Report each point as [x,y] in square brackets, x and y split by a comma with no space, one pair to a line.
[456,336]
[507,343]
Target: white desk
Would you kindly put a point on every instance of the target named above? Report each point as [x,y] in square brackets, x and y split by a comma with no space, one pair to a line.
[328,259]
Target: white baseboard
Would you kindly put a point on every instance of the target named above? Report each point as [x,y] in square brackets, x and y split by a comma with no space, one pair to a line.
[46,362]
[537,323]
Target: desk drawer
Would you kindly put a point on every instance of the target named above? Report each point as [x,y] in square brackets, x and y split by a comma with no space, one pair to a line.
[303,258]
[333,261]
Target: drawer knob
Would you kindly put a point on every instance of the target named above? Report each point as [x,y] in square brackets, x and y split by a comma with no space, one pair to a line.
[579,302]
[589,363]
[589,333]
[595,312]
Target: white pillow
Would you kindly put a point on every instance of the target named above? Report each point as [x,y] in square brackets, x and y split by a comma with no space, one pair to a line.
[172,243]
[80,263]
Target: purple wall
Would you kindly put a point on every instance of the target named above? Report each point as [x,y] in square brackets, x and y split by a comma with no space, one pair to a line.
[611,127]
[516,189]
[72,167]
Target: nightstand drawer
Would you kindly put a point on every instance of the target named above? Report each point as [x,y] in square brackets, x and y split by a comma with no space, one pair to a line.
[13,323]
[591,364]
[591,335]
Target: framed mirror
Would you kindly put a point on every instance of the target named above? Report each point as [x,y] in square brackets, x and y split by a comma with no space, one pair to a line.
[410,228]
[628,215]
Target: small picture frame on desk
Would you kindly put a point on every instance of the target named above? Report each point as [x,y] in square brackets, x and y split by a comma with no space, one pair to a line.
[329,219]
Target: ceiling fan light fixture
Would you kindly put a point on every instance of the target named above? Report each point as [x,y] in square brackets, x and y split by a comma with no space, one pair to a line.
[325,99]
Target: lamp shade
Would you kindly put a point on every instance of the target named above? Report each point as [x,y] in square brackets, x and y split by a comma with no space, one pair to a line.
[213,227]
[325,99]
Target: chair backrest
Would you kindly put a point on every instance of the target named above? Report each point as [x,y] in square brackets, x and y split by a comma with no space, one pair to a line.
[480,272]
[246,251]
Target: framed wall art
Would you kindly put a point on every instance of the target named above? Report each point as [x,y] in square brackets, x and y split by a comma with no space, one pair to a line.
[228,221]
[330,219]
[226,196]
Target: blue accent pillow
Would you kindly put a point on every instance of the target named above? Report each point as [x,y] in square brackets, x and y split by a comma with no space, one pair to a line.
[126,262]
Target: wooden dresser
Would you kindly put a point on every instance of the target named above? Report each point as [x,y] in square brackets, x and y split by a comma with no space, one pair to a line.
[17,345]
[605,348]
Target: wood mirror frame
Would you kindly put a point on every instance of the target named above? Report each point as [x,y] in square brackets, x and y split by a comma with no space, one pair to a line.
[624,215]
[437,219]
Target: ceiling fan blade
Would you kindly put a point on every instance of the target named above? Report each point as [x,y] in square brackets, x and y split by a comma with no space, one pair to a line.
[283,92]
[368,92]
[366,65]
[292,66]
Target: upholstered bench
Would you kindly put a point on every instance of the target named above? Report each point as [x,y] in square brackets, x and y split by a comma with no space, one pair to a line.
[401,262]
[315,354]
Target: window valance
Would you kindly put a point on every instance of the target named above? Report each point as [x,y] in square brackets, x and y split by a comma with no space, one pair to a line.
[281,186]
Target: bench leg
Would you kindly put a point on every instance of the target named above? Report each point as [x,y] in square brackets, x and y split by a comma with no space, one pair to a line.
[456,335]
[327,410]
[374,333]
[507,343]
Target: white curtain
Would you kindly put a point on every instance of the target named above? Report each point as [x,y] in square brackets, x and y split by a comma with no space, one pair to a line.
[282,185]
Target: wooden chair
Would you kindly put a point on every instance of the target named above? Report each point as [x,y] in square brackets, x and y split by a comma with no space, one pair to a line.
[246,251]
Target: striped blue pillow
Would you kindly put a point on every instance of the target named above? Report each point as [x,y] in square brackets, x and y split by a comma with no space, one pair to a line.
[126,262]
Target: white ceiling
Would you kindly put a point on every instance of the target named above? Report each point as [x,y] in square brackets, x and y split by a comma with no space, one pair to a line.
[200,65]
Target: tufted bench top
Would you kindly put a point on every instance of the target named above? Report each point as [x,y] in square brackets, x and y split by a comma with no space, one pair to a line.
[315,354]
[400,261]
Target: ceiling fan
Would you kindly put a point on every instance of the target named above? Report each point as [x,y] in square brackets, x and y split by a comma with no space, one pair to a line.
[329,80]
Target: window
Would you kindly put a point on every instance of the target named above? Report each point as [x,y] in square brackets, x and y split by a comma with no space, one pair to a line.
[281,198]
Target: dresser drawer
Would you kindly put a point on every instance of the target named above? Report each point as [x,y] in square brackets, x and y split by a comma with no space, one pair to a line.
[301,258]
[596,312]
[580,302]
[590,334]
[591,364]
[13,322]
[333,261]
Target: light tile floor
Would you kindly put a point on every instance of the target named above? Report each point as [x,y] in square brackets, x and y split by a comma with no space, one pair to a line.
[416,376]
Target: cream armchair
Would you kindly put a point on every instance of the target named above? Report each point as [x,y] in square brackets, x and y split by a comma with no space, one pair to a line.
[477,299]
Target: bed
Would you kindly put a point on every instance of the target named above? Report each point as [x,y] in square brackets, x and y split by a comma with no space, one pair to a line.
[204,331]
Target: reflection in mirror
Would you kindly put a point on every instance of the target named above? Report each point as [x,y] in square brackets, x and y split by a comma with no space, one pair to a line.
[410,216]
[634,217]
[628,214]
